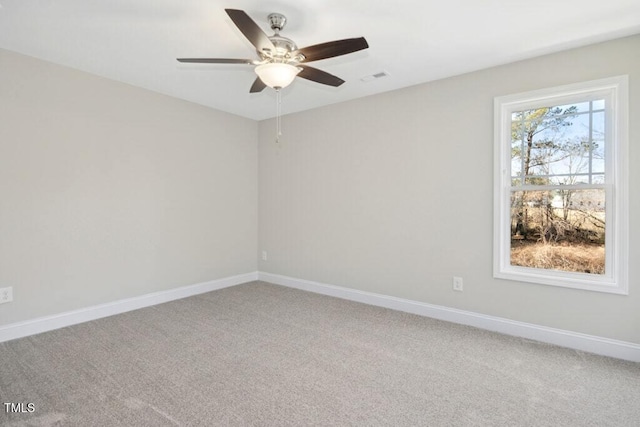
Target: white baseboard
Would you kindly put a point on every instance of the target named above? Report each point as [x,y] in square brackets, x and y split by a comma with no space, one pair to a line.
[578,341]
[574,340]
[56,321]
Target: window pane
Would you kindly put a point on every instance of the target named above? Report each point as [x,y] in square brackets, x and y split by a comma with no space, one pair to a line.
[598,142]
[598,179]
[560,145]
[598,125]
[558,230]
[598,105]
[516,157]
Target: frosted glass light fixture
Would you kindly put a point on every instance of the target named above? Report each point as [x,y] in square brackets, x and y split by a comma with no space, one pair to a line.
[277,75]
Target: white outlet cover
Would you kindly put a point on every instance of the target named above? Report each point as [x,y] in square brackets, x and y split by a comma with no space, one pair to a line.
[6,295]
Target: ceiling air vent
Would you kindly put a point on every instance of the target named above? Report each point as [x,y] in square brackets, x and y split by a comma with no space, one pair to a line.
[375,76]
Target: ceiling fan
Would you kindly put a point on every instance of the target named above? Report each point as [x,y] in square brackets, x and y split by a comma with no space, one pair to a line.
[280,59]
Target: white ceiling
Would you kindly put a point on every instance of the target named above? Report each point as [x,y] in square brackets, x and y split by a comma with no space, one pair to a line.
[414,41]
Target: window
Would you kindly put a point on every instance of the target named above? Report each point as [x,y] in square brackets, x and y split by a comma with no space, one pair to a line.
[560,197]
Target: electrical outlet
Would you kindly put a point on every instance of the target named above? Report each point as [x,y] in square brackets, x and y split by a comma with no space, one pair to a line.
[457,284]
[6,295]
[264,255]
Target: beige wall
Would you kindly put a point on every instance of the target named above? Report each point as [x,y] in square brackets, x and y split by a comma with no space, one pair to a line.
[393,194]
[109,191]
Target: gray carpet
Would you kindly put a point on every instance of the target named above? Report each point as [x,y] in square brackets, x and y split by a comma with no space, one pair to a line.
[261,354]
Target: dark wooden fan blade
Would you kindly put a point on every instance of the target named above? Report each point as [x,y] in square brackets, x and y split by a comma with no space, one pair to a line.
[250,29]
[334,48]
[319,76]
[257,86]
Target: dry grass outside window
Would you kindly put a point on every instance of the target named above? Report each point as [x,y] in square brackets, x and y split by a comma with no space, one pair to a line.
[577,258]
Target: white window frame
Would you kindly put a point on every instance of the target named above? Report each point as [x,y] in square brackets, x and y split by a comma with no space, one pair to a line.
[615,92]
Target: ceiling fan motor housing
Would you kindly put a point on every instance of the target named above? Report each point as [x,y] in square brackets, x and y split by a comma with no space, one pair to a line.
[284,48]
[283,45]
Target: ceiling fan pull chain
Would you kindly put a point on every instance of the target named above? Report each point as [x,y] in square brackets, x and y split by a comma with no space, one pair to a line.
[278,115]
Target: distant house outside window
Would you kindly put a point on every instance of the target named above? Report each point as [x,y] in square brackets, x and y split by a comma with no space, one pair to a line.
[560,197]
